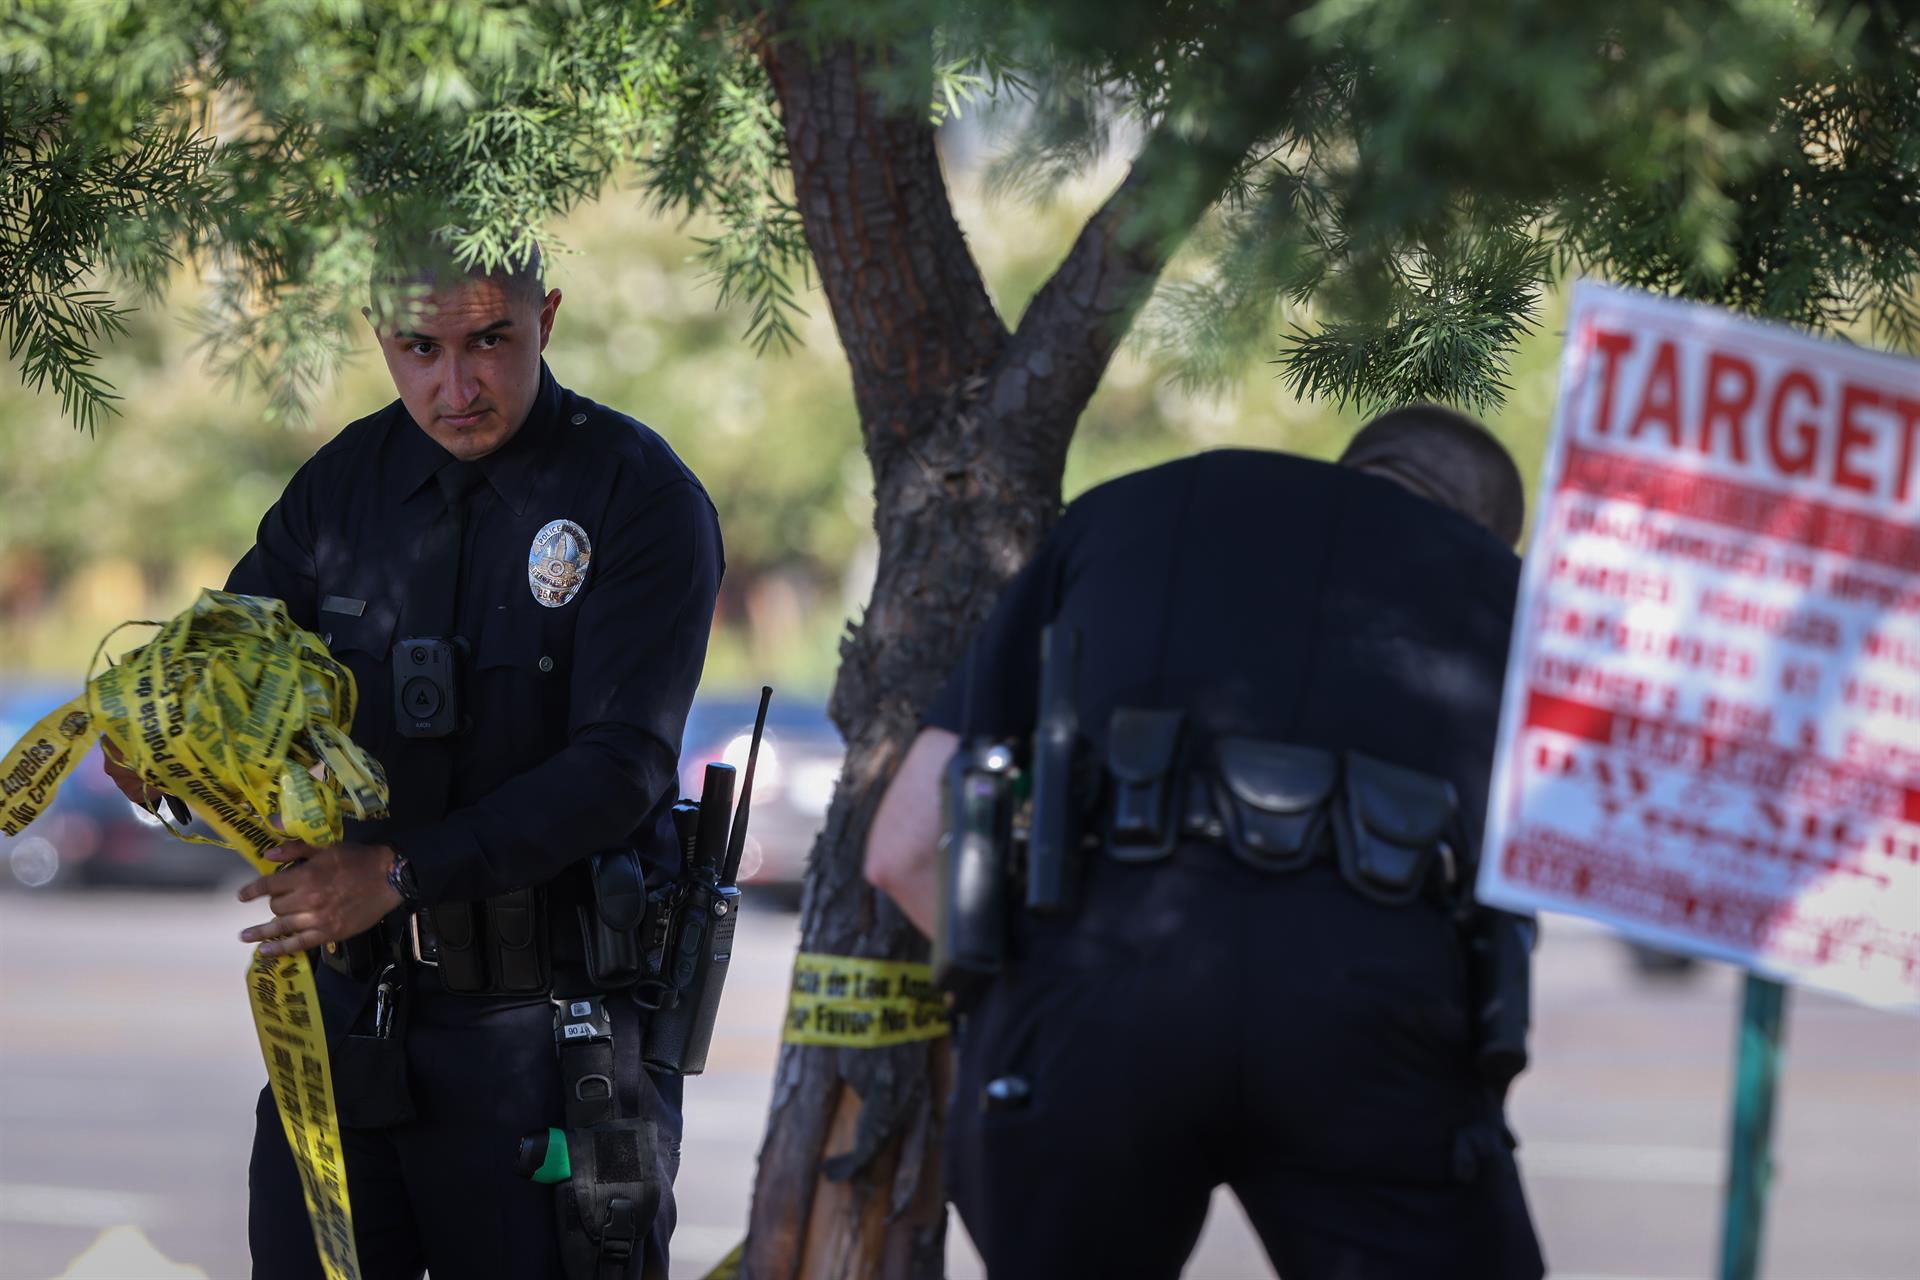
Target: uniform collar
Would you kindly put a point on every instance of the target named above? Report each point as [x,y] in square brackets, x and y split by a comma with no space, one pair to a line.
[511,469]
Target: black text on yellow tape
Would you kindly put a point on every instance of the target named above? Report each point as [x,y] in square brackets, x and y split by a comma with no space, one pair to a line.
[286,1013]
[859,1003]
[231,708]
[246,717]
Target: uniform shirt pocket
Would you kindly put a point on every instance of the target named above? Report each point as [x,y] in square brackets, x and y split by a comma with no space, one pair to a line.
[518,693]
[363,644]
[510,639]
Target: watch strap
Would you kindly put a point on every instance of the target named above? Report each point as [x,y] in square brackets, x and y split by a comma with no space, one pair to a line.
[400,879]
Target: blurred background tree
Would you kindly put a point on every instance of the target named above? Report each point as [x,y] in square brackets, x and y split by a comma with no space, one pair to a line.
[1378,194]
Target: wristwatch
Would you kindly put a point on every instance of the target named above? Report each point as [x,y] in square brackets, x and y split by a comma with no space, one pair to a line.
[400,878]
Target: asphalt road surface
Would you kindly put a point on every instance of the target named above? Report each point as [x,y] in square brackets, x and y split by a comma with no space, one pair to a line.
[128,1070]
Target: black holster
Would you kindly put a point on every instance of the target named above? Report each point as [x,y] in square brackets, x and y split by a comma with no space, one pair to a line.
[606,1209]
[607,1204]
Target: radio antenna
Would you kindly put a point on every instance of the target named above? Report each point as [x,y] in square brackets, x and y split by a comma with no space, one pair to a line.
[737,843]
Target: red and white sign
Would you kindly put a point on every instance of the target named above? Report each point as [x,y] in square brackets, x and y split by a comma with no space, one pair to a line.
[1711,732]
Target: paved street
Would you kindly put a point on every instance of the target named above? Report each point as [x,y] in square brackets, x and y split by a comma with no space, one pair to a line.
[128,1070]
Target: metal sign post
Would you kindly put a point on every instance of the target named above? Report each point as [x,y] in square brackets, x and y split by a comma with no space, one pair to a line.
[1757,1074]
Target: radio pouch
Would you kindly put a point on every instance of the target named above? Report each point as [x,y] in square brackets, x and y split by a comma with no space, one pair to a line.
[463,964]
[515,938]
[611,923]
[1143,748]
[1273,797]
[1393,825]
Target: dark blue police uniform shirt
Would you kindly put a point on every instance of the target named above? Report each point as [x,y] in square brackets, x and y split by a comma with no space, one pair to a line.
[576,711]
[1270,596]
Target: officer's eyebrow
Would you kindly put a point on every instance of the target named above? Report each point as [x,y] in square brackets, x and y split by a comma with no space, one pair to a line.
[410,335]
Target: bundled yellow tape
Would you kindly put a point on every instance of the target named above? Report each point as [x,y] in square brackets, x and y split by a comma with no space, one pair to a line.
[245,716]
[862,1004]
[230,707]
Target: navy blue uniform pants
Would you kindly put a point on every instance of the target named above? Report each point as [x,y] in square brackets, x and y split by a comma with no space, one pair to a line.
[438,1192]
[1201,1023]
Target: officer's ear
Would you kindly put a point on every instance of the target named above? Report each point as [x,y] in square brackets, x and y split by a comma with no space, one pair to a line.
[549,306]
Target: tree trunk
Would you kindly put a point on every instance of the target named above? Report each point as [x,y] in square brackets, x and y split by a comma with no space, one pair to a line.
[966,426]
[848,1183]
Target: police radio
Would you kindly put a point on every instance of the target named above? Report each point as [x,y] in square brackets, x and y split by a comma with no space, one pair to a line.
[699,947]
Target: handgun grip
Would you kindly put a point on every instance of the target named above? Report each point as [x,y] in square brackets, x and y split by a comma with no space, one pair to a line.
[971,923]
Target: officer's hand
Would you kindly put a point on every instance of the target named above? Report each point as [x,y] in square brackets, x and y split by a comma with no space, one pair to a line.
[131,785]
[331,894]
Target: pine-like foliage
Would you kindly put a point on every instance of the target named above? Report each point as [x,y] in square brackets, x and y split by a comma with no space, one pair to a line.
[1401,179]
[280,141]
[70,205]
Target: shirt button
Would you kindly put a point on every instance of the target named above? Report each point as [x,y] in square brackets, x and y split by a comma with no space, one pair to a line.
[546,663]
[579,418]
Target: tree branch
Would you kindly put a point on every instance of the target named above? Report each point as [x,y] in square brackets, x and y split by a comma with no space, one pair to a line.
[906,296]
[1061,349]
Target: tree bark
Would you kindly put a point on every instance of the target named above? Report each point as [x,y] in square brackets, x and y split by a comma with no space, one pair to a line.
[848,1181]
[966,427]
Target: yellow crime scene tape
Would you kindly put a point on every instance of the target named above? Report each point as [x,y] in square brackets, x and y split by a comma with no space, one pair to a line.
[857,1003]
[849,1002]
[245,716]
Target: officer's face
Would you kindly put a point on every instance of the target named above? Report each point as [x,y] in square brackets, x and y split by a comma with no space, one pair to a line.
[466,361]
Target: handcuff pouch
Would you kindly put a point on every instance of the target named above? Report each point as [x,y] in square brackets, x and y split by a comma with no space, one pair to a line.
[1393,826]
[1273,798]
[1143,753]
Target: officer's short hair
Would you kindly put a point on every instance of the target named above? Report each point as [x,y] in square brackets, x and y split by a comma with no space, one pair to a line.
[405,262]
[1442,454]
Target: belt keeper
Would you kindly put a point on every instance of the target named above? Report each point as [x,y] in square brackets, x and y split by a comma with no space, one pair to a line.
[421,940]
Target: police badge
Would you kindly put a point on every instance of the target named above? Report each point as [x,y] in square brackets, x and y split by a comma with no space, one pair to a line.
[557,562]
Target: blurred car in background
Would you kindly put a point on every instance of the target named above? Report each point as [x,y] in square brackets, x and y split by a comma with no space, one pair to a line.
[1656,964]
[792,785]
[91,834]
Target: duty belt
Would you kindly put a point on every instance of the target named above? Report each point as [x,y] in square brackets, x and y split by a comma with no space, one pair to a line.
[1394,832]
[497,946]
[596,921]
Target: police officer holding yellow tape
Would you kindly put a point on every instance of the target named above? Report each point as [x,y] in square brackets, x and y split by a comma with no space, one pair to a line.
[1228,938]
[522,582]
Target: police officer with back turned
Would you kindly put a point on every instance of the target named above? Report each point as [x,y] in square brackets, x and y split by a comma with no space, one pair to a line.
[522,582]
[1214,773]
